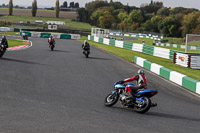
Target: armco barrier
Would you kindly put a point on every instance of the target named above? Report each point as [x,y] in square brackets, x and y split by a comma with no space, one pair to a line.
[179,46]
[55,35]
[138,35]
[45,35]
[27,33]
[35,34]
[65,36]
[178,78]
[75,36]
[147,49]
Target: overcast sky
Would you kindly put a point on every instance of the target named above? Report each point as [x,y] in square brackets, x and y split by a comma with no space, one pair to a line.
[167,3]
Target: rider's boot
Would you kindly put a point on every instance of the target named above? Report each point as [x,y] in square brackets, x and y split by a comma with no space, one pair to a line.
[153,104]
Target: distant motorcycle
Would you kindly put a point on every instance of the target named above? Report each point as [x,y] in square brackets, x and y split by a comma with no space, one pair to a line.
[25,37]
[2,50]
[141,104]
[86,51]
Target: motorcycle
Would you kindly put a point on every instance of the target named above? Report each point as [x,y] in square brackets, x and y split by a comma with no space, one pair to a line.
[141,104]
[25,37]
[51,45]
[86,52]
[2,50]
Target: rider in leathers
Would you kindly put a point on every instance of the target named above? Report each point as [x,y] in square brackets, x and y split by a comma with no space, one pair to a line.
[141,81]
[4,43]
[51,40]
[86,45]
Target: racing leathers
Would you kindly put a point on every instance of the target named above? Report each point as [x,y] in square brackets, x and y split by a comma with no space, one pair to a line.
[51,41]
[141,84]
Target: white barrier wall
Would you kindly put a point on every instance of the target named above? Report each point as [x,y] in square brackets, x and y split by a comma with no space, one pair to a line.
[140,61]
[75,36]
[35,34]
[6,29]
[137,47]
[155,68]
[106,41]
[176,77]
[161,52]
[119,43]
[56,35]
[96,39]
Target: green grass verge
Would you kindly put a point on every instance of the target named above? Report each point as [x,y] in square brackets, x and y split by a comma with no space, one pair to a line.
[129,56]
[12,42]
[147,40]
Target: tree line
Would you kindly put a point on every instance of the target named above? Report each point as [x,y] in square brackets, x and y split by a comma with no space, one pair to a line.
[34,8]
[152,17]
[71,5]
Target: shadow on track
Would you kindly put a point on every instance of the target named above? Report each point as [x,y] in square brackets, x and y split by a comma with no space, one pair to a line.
[60,51]
[21,61]
[98,58]
[171,116]
[157,114]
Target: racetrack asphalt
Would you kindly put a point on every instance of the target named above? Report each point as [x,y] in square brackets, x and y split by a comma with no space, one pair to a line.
[61,91]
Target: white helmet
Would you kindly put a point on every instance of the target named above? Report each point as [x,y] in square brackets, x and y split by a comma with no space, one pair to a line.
[141,71]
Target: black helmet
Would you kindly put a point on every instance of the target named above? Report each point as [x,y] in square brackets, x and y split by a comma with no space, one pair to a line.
[141,71]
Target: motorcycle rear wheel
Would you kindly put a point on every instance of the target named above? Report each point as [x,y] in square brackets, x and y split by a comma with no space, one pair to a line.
[111,99]
[52,47]
[143,106]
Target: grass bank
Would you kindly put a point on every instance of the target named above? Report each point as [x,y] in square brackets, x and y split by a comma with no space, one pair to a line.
[129,56]
[68,22]
[12,42]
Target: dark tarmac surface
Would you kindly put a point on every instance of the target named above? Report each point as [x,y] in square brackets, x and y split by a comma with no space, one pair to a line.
[61,91]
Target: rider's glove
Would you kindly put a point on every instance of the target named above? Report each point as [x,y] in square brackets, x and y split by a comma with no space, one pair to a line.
[121,82]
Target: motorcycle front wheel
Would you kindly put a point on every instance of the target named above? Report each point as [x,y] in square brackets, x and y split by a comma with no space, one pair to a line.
[143,106]
[111,99]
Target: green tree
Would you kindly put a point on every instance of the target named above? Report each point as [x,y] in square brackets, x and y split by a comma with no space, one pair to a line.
[122,15]
[71,4]
[95,16]
[148,25]
[191,22]
[135,16]
[83,15]
[163,11]
[57,11]
[182,10]
[10,7]
[169,27]
[65,4]
[76,5]
[91,7]
[106,20]
[152,7]
[34,8]
[155,20]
